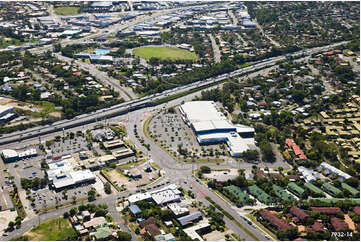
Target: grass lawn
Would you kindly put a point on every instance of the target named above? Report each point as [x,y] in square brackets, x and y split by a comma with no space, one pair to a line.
[156,166]
[164,53]
[131,165]
[66,11]
[6,41]
[146,126]
[46,108]
[54,229]
[204,160]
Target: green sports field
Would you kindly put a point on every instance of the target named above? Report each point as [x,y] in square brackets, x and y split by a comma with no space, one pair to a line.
[66,11]
[164,53]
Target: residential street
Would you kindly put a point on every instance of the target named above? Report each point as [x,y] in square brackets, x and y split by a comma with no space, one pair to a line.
[217,53]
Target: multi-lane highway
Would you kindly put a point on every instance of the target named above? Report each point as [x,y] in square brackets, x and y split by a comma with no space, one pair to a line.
[102,76]
[173,170]
[145,101]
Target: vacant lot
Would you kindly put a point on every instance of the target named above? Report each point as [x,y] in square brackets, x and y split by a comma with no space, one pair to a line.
[66,10]
[54,229]
[117,178]
[164,53]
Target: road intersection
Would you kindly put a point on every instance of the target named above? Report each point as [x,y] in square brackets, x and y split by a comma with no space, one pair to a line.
[175,172]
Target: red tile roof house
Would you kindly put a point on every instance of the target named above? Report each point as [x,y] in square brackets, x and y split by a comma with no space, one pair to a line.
[260,174]
[318,62]
[150,220]
[339,224]
[152,230]
[299,213]
[262,104]
[273,218]
[316,227]
[357,210]
[296,149]
[298,239]
[326,210]
[290,142]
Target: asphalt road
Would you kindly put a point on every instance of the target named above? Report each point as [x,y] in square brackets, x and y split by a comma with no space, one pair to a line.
[142,102]
[101,76]
[216,52]
[110,200]
[177,174]
[174,172]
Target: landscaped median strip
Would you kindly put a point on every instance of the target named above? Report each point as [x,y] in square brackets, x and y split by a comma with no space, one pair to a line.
[228,215]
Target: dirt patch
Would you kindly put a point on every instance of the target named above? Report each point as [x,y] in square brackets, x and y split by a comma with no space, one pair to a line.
[5,218]
[55,114]
[350,223]
[117,178]
[17,104]
[33,236]
[216,235]
[23,122]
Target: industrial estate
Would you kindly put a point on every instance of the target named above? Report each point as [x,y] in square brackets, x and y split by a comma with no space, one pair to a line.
[179,120]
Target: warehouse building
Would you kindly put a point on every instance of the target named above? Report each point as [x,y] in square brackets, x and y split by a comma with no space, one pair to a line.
[62,175]
[6,113]
[162,197]
[190,218]
[327,169]
[9,155]
[211,126]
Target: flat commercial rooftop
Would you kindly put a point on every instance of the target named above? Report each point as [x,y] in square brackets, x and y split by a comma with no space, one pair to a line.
[210,125]
[213,125]
[198,111]
[164,195]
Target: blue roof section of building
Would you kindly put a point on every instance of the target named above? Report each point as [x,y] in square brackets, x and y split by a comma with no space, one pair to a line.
[134,209]
[189,218]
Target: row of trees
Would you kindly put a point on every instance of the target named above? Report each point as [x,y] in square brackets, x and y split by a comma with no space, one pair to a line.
[70,50]
[35,183]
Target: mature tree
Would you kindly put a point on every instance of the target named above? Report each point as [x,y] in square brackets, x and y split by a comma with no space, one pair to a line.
[107,188]
[205,169]
[267,152]
[250,155]
[124,236]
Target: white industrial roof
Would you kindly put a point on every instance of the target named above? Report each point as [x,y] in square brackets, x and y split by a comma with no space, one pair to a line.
[236,144]
[307,174]
[74,177]
[176,209]
[218,135]
[8,153]
[192,231]
[139,197]
[222,124]
[71,31]
[334,170]
[63,166]
[203,126]
[28,152]
[5,108]
[204,116]
[83,175]
[63,182]
[243,128]
[163,195]
[201,111]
